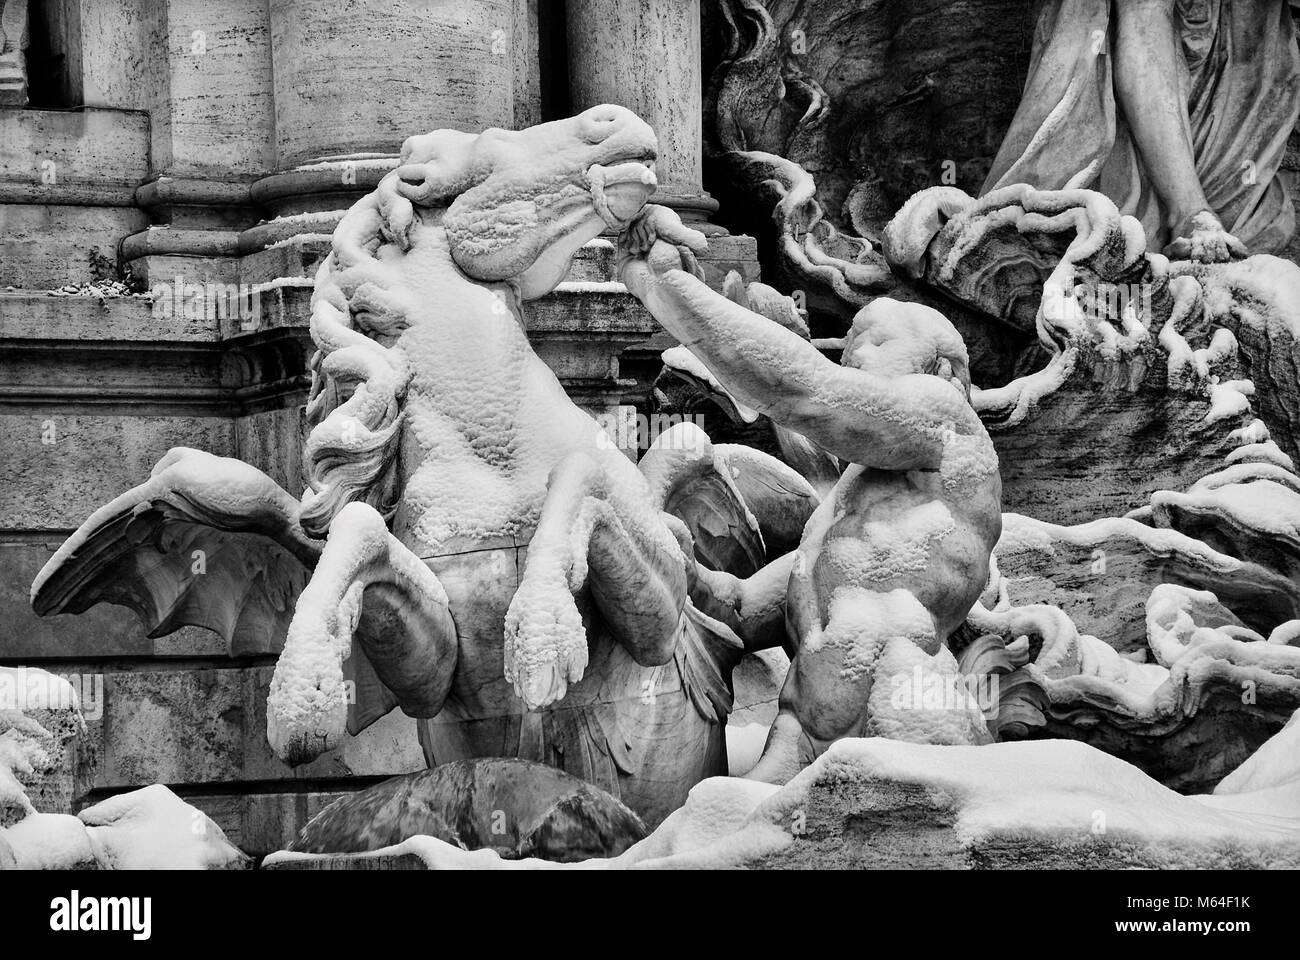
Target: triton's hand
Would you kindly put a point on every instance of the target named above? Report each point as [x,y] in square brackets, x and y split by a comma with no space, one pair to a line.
[658,241]
[1209,242]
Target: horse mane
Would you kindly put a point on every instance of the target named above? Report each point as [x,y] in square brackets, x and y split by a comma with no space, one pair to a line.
[359,384]
[357,389]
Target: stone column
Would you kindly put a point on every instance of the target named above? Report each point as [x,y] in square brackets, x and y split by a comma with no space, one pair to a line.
[360,77]
[645,55]
[353,80]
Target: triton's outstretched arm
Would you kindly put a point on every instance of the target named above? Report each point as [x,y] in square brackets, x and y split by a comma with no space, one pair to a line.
[884,422]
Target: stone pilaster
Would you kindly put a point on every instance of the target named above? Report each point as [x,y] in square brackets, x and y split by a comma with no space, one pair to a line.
[645,55]
[205,80]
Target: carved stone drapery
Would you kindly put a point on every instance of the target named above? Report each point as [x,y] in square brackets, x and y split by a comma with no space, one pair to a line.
[13,44]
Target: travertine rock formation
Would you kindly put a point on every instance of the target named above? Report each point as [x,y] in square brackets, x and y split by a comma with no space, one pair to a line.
[876,101]
[1154,513]
[1138,362]
[886,804]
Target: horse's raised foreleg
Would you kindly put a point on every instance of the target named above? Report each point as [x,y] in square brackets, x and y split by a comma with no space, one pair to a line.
[369,587]
[597,531]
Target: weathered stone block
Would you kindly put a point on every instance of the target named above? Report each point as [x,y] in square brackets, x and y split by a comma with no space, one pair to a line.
[72,448]
[102,632]
[261,823]
[208,726]
[44,246]
[88,156]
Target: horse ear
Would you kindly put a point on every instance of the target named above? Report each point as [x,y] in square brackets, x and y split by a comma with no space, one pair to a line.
[446,158]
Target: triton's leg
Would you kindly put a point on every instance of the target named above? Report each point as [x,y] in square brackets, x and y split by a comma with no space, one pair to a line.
[826,692]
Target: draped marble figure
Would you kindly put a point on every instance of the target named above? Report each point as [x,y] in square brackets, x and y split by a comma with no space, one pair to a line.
[1133,99]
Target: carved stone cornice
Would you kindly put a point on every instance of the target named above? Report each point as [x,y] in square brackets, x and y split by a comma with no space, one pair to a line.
[115,354]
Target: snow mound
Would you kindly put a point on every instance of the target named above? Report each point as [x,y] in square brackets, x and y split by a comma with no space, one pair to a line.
[147,829]
[153,829]
[50,841]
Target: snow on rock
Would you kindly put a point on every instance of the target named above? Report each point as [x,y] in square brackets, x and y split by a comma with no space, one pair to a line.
[921,698]
[153,829]
[14,805]
[1256,299]
[590,286]
[50,841]
[1213,695]
[714,814]
[745,743]
[879,803]
[39,721]
[1254,510]
[147,829]
[376,162]
[1147,360]
[1114,592]
[1267,785]
[907,237]
[1100,573]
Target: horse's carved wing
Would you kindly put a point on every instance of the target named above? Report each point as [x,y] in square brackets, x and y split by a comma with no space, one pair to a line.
[742,507]
[207,541]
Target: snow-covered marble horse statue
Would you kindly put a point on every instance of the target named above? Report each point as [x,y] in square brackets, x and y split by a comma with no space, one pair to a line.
[445,459]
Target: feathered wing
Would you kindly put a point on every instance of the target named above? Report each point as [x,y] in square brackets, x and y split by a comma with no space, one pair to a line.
[207,541]
[780,498]
[743,508]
